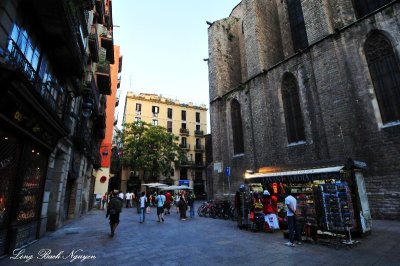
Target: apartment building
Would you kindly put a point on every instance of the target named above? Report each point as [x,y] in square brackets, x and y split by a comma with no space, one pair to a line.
[55,75]
[185,120]
[102,174]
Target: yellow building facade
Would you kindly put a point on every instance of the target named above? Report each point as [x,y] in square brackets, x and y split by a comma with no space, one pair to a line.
[185,120]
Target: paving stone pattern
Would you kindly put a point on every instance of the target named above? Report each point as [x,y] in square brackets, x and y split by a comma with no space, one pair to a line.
[199,241]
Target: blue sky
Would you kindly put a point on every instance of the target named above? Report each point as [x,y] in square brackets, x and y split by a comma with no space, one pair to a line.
[163,44]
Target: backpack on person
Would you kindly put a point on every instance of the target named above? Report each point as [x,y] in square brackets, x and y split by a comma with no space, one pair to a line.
[115,206]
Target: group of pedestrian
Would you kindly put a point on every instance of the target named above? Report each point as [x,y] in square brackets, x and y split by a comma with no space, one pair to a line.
[184,200]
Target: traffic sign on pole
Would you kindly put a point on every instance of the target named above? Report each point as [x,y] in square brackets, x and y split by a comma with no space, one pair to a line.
[228,171]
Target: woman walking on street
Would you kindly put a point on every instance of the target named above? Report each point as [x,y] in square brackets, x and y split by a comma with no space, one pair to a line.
[182,204]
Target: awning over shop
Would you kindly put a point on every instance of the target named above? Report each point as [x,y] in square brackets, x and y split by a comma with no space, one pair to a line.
[301,175]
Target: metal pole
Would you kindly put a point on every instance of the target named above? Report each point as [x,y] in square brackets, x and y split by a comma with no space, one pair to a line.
[229,185]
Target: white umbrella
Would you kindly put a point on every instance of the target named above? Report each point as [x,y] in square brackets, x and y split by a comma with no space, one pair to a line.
[185,188]
[155,185]
[176,188]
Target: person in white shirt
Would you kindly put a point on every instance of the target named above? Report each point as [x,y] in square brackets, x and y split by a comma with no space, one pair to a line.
[142,202]
[291,204]
[128,196]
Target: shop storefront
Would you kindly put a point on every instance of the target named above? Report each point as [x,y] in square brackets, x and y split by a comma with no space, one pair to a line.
[331,197]
[22,171]
[28,135]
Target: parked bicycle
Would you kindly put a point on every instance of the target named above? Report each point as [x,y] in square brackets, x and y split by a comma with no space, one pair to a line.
[221,209]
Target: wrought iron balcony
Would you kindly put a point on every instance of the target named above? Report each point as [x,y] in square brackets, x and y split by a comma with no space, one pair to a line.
[108,19]
[184,131]
[82,136]
[88,4]
[89,89]
[199,164]
[191,164]
[186,163]
[103,77]
[16,59]
[94,43]
[199,147]
[94,155]
[53,95]
[58,23]
[107,42]
[100,11]
[199,133]
[185,146]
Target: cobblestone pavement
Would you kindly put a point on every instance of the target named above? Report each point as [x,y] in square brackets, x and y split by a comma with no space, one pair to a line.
[198,241]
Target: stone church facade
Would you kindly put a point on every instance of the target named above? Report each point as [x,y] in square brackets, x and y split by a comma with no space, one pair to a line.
[301,82]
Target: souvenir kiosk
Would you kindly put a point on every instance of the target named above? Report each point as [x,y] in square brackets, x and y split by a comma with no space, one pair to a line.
[331,197]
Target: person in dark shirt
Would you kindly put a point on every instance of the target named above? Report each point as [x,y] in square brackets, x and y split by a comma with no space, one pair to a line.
[113,210]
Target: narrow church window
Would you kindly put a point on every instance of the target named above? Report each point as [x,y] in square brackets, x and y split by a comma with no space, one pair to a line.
[293,114]
[364,7]
[297,25]
[384,68]
[237,130]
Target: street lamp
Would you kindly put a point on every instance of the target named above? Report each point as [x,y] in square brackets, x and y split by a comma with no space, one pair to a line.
[87,107]
[105,152]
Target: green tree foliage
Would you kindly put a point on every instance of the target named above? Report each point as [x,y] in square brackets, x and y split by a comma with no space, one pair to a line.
[150,149]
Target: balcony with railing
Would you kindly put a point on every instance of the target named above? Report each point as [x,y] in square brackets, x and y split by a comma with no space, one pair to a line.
[119,82]
[108,18]
[94,43]
[184,131]
[103,77]
[199,164]
[191,164]
[51,94]
[83,136]
[199,133]
[199,147]
[107,42]
[185,146]
[89,89]
[48,17]
[88,4]
[100,119]
[100,11]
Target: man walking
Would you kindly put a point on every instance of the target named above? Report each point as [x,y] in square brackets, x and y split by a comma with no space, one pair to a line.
[113,210]
[168,199]
[190,200]
[142,204]
[291,204]
[160,200]
[128,197]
